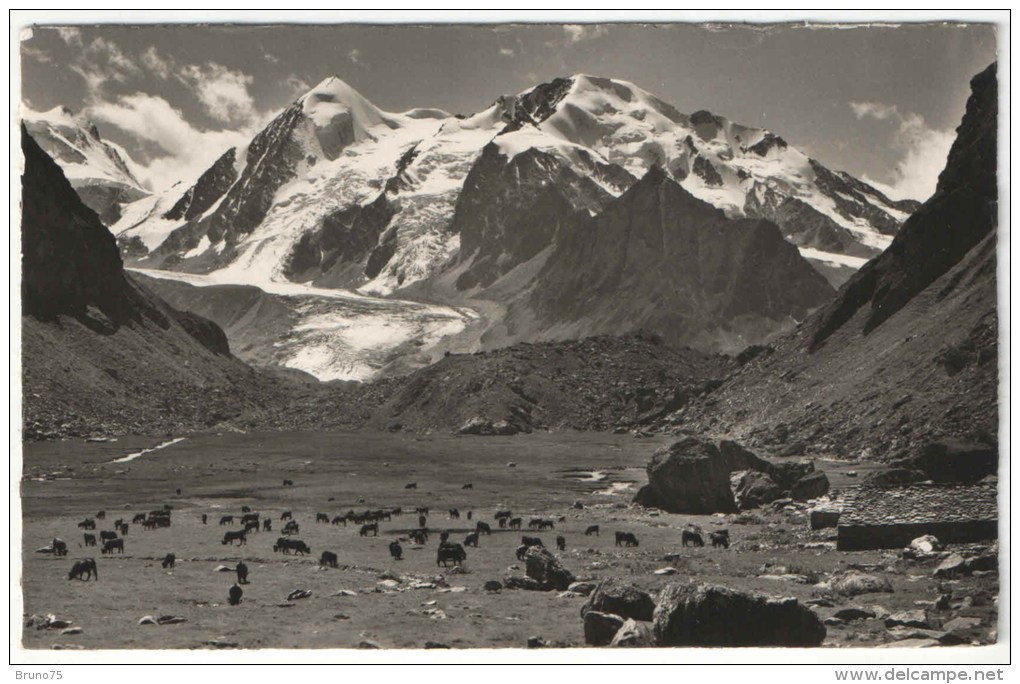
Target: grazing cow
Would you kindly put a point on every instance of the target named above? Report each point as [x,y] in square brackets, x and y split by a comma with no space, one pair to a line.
[205,518]
[419,536]
[298,546]
[411,485]
[592,529]
[123,529]
[107,534]
[87,524]
[246,509]
[227,520]
[471,540]
[291,527]
[544,524]
[239,536]
[720,538]
[561,543]
[468,486]
[248,517]
[469,514]
[422,510]
[101,515]
[531,541]
[422,521]
[251,526]
[242,572]
[139,518]
[288,483]
[626,539]
[515,523]
[691,538]
[483,528]
[59,547]
[234,595]
[169,561]
[444,537]
[321,518]
[396,551]
[503,514]
[286,515]
[178,491]
[451,552]
[90,539]
[111,544]
[454,513]
[167,508]
[118,522]
[534,523]
[502,522]
[338,520]
[370,527]
[267,525]
[84,570]
[328,559]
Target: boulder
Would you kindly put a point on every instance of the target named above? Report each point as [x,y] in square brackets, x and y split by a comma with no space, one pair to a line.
[810,486]
[752,489]
[985,562]
[483,426]
[787,474]
[908,618]
[526,583]
[585,588]
[543,567]
[953,566]
[493,585]
[851,613]
[793,449]
[890,477]
[856,583]
[962,624]
[613,596]
[698,614]
[955,460]
[147,620]
[693,476]
[633,634]
[600,628]
[925,546]
[822,518]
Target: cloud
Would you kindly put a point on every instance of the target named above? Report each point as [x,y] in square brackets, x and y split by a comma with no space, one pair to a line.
[222,91]
[184,151]
[924,151]
[156,63]
[70,35]
[36,54]
[578,32]
[355,57]
[272,59]
[297,84]
[506,52]
[98,62]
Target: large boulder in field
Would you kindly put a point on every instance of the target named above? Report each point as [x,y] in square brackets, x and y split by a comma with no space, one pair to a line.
[543,567]
[954,460]
[633,634]
[600,628]
[693,476]
[698,614]
[890,477]
[626,600]
[787,473]
[810,487]
[856,583]
[752,489]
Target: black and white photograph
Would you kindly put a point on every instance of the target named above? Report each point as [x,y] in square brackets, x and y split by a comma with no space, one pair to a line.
[610,336]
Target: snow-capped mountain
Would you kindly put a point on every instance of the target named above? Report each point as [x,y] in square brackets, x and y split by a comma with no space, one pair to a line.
[98,169]
[338,193]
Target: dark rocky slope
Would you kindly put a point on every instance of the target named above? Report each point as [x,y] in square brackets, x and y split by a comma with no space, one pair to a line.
[907,352]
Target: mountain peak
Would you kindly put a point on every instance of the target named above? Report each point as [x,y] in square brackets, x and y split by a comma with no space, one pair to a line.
[332,98]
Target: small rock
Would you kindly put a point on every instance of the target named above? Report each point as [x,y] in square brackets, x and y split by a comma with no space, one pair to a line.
[901,633]
[366,644]
[298,594]
[926,545]
[585,588]
[72,630]
[147,620]
[833,621]
[951,567]
[436,644]
[633,634]
[908,618]
[535,642]
[665,571]
[911,643]
[493,585]
[854,613]
[569,594]
[170,620]
[962,624]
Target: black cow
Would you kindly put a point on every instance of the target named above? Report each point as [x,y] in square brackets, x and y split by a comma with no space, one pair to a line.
[106,535]
[454,513]
[227,520]
[482,528]
[321,517]
[234,595]
[451,552]
[471,540]
[515,523]
[531,541]
[59,547]
[338,519]
[544,524]
[691,538]
[411,485]
[291,527]
[267,525]
[444,537]
[101,515]
[90,539]
[469,514]
[502,514]
[370,527]
[396,550]
[592,529]
[205,518]
[288,483]
[561,543]
[178,491]
[242,572]
[246,509]
[720,538]
[87,524]
[328,559]
[298,546]
[251,526]
[118,522]
[138,519]
[169,561]
[240,536]
[626,539]
[422,521]
[123,529]
[521,550]
[112,544]
[419,536]
[468,486]
[286,515]
[84,570]
[248,517]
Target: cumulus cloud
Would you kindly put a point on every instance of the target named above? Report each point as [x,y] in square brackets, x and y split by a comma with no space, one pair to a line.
[156,63]
[297,84]
[924,151]
[355,57]
[506,52]
[183,151]
[222,91]
[578,32]
[99,62]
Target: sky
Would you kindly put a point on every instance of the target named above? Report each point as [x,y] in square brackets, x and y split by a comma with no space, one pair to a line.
[880,102]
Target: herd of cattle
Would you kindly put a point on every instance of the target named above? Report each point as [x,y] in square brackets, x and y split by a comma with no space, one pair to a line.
[448,552]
